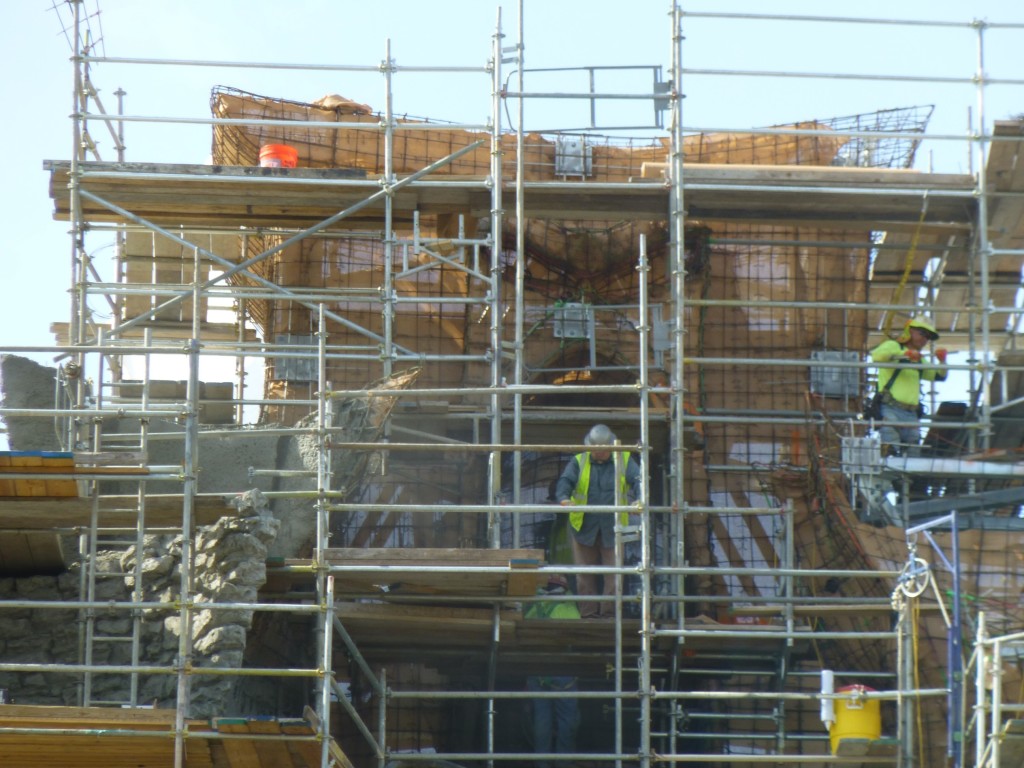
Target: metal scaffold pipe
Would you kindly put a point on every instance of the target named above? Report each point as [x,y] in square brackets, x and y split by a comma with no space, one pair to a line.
[952,467]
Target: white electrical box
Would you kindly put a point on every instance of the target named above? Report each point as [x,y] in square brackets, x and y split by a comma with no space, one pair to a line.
[835,381]
[572,321]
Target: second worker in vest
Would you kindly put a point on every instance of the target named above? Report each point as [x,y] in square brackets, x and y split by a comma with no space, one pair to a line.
[590,479]
[901,401]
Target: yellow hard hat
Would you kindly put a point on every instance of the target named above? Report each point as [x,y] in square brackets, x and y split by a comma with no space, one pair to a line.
[923,324]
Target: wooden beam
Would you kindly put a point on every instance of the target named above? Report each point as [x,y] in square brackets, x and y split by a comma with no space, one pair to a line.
[115,511]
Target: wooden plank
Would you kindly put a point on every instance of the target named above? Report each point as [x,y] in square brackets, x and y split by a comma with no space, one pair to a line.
[273,753]
[104,741]
[116,511]
[824,176]
[402,571]
[61,717]
[333,749]
[108,458]
[305,754]
[241,753]
[41,463]
[433,556]
[394,581]
[6,486]
[24,486]
[164,330]
[524,580]
[87,752]
[420,625]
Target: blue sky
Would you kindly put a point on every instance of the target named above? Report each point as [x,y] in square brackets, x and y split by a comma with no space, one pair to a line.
[559,33]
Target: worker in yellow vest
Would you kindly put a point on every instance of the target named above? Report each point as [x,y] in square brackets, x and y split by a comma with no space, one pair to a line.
[590,478]
[901,387]
[555,720]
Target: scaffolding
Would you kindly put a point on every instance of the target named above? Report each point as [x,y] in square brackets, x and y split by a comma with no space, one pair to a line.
[438,313]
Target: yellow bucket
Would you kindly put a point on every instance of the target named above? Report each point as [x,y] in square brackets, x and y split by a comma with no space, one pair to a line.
[856,718]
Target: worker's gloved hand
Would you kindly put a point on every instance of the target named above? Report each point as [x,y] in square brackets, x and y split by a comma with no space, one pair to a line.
[940,355]
[912,355]
[564,502]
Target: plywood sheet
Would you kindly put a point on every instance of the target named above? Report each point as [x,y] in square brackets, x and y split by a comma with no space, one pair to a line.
[41,464]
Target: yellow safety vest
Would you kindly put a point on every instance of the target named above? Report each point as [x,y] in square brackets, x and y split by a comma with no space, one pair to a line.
[579,494]
[552,610]
[906,388]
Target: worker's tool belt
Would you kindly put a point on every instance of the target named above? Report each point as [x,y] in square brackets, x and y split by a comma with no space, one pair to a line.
[892,402]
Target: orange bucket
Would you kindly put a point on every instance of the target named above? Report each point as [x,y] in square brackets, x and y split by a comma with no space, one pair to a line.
[278,156]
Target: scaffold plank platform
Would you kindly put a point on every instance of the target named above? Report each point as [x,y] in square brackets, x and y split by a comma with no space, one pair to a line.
[41,464]
[94,737]
[206,195]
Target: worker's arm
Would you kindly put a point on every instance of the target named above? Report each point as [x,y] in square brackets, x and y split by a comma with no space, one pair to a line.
[567,481]
[937,372]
